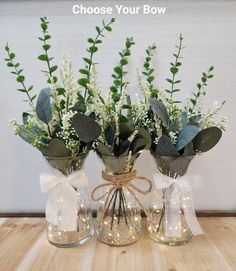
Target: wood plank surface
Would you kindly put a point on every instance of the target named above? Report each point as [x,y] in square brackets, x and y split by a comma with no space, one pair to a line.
[23,247]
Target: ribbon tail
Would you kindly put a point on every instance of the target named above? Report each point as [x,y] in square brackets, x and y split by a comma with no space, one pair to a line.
[138,201]
[190,215]
[172,212]
[61,209]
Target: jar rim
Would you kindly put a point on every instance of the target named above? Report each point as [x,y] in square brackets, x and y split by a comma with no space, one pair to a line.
[118,157]
[164,156]
[82,155]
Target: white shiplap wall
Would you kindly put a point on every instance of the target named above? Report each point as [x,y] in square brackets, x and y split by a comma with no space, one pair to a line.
[209,29]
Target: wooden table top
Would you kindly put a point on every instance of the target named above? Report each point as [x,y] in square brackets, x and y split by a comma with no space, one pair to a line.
[23,246]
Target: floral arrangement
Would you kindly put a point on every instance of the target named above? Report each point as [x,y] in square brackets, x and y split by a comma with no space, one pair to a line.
[177,129]
[72,116]
[60,124]
[120,136]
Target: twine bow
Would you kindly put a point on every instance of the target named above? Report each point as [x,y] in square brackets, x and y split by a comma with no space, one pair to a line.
[118,181]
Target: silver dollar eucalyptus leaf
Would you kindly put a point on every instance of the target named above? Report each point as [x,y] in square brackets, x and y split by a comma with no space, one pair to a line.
[165,147]
[43,106]
[159,108]
[87,129]
[186,135]
[56,148]
[207,139]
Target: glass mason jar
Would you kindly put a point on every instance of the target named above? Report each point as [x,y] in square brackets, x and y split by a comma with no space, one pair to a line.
[119,215]
[157,220]
[82,231]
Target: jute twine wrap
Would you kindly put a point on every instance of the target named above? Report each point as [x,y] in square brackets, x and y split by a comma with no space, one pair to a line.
[118,181]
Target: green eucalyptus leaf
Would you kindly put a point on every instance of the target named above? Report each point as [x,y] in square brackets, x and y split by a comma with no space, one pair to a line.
[207,139]
[56,148]
[150,79]
[160,109]
[43,106]
[27,135]
[128,99]
[43,57]
[87,60]
[30,136]
[165,147]
[53,68]
[184,118]
[139,144]
[44,26]
[174,70]
[125,130]
[83,71]
[118,70]
[116,97]
[90,40]
[47,37]
[20,79]
[21,90]
[12,56]
[103,150]
[180,165]
[81,106]
[124,147]
[83,82]
[98,29]
[189,150]
[146,136]
[113,89]
[110,134]
[25,117]
[186,135]
[61,91]
[108,28]
[9,64]
[123,119]
[87,129]
[46,47]
[93,49]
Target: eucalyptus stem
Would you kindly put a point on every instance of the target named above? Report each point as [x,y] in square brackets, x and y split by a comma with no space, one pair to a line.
[148,71]
[119,210]
[124,207]
[18,72]
[113,208]
[118,194]
[174,69]
[201,89]
[45,56]
[119,72]
[108,206]
[93,48]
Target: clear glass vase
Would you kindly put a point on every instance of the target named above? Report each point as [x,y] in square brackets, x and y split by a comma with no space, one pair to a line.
[119,215]
[83,230]
[157,218]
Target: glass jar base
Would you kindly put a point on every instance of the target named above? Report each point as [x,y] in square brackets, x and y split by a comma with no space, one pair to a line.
[171,241]
[117,243]
[73,243]
[157,229]
[119,228]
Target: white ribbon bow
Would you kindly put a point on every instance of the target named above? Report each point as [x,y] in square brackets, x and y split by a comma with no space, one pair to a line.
[62,204]
[178,192]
